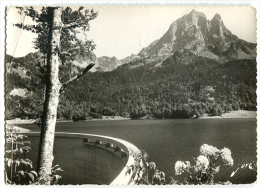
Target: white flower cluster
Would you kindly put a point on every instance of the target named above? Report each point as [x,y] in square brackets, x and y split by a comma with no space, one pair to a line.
[211,158]
[180,167]
[226,156]
[202,163]
[208,150]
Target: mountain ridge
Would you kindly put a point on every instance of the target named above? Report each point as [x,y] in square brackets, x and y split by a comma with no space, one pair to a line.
[193,32]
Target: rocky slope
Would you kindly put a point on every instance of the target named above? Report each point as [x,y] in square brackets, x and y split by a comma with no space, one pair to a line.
[210,39]
[191,35]
[104,63]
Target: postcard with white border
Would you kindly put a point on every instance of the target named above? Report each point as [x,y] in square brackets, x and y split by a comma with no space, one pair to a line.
[130,95]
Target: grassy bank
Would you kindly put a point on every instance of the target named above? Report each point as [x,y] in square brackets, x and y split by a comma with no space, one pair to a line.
[233,114]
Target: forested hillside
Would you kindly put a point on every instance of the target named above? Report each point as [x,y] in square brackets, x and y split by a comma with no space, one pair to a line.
[24,73]
[172,91]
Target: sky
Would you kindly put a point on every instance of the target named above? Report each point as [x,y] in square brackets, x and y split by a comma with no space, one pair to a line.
[122,31]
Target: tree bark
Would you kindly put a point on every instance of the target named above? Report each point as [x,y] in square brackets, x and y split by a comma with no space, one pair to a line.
[53,85]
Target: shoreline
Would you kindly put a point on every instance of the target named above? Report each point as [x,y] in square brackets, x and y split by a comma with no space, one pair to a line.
[233,114]
[31,121]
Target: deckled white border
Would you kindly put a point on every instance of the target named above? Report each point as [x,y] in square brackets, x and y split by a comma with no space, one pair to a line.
[254,3]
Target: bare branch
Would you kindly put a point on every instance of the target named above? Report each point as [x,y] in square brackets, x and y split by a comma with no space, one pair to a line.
[70,25]
[65,53]
[76,77]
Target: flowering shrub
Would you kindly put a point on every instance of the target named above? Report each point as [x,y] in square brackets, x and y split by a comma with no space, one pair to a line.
[141,168]
[207,164]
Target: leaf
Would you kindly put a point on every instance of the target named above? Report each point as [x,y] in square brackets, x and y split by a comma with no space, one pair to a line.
[27,162]
[152,166]
[26,148]
[31,176]
[21,172]
[9,162]
[15,151]
[17,177]
[21,136]
[58,169]
[56,178]
[128,171]
[8,140]
[17,162]
[35,173]
[55,167]
[162,174]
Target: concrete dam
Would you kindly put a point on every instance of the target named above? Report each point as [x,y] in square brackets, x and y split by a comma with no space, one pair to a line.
[86,158]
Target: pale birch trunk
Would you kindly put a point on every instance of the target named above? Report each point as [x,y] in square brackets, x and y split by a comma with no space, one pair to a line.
[53,85]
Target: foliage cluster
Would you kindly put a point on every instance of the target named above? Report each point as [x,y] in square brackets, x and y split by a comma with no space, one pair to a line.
[141,170]
[202,171]
[19,169]
[14,158]
[206,166]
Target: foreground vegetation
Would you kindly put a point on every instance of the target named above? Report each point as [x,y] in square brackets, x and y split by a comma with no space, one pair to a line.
[202,171]
[19,170]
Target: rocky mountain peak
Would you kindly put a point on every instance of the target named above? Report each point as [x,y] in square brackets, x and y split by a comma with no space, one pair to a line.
[195,16]
[219,32]
[216,21]
[216,17]
[192,34]
[207,38]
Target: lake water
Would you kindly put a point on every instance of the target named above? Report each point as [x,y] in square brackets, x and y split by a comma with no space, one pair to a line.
[167,141]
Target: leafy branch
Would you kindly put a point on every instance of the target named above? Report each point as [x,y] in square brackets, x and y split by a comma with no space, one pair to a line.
[141,168]
[12,161]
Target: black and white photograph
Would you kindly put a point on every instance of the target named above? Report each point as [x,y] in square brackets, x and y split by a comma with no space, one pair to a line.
[130,95]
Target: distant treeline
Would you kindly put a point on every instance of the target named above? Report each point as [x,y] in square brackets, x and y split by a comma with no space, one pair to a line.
[174,90]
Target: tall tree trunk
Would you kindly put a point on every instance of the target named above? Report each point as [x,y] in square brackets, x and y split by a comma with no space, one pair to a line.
[44,67]
[53,85]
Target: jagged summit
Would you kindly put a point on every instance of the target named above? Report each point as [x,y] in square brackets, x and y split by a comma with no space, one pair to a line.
[216,21]
[191,12]
[207,38]
[193,16]
[192,26]
[216,17]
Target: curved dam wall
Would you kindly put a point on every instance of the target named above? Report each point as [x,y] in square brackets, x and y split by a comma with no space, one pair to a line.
[88,159]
